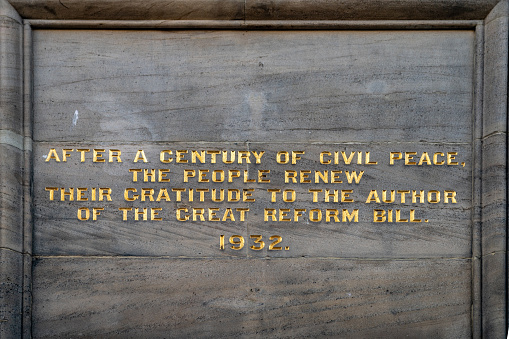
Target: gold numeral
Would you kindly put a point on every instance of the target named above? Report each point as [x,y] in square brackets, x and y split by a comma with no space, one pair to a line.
[237,244]
[258,240]
[277,239]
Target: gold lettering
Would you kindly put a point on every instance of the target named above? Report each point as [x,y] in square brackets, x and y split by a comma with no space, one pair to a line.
[290,175]
[392,157]
[330,213]
[451,156]
[97,155]
[324,177]
[124,212]
[280,155]
[315,215]
[373,197]
[143,213]
[449,195]
[258,156]
[82,152]
[295,156]
[298,213]
[228,214]
[140,155]
[180,157]
[322,161]
[178,194]
[232,157]
[178,214]
[135,172]
[65,155]
[348,217]
[198,212]
[147,193]
[162,175]
[215,173]
[52,155]
[80,213]
[126,194]
[409,157]
[189,173]
[283,214]
[262,175]
[114,153]
[315,193]
[163,194]
[273,192]
[243,212]
[345,196]
[247,195]
[51,192]
[434,200]
[212,214]
[213,154]
[425,159]
[288,199]
[162,157]
[379,215]
[244,155]
[154,214]
[304,177]
[200,156]
[105,193]
[354,176]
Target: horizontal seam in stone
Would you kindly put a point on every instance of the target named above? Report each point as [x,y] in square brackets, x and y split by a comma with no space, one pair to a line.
[492,253]
[241,257]
[10,249]
[8,137]
[492,134]
[163,143]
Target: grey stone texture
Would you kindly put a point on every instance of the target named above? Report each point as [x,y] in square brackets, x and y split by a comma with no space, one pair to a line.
[283,298]
[313,76]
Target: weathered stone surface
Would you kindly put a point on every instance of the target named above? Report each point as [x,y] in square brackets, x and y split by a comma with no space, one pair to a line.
[11,77]
[132,10]
[494,292]
[11,167]
[496,54]
[217,298]
[494,194]
[255,86]
[366,10]
[376,91]
[11,287]
[255,9]
[448,232]
[228,90]
[11,218]
[494,183]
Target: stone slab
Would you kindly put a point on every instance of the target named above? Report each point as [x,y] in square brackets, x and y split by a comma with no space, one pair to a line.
[11,100]
[496,53]
[494,192]
[254,9]
[235,86]
[11,203]
[272,91]
[176,298]
[11,287]
[447,233]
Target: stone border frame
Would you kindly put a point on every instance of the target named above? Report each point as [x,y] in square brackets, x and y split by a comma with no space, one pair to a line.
[489,19]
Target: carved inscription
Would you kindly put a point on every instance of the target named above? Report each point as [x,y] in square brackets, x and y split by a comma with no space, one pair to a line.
[223,185]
